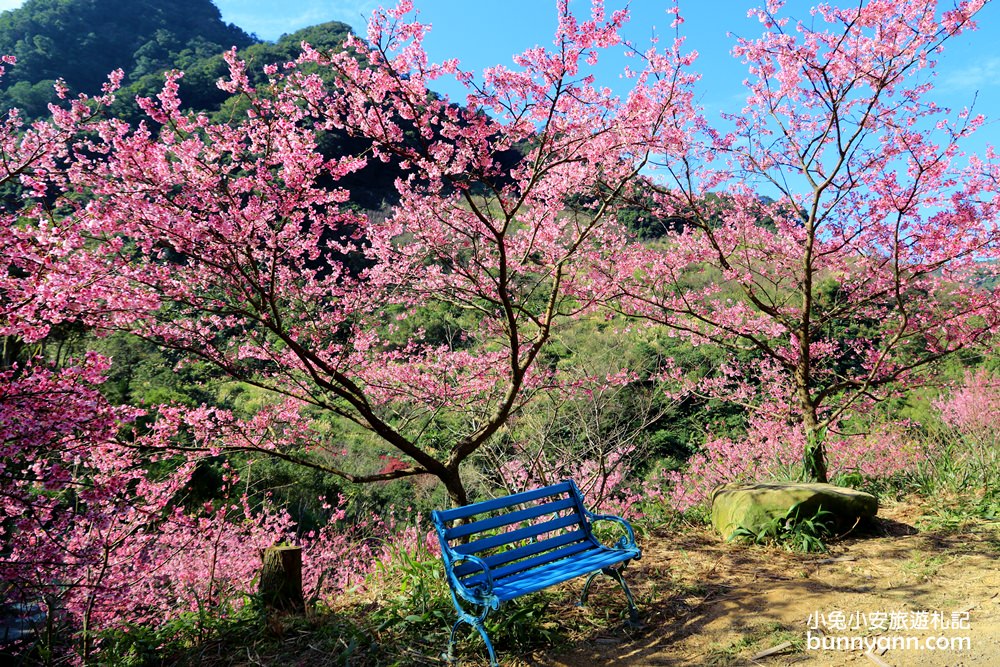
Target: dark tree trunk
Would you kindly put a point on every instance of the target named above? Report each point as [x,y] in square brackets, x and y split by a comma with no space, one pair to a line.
[456,489]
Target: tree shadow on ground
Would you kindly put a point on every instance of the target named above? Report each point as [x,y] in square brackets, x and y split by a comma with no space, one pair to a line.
[706,602]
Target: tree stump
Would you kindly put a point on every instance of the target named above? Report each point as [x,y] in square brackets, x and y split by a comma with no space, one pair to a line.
[281,578]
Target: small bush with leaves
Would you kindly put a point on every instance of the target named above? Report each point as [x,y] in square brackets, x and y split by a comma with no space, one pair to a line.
[795,531]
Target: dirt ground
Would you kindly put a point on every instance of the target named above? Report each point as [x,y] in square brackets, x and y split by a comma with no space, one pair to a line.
[708,603]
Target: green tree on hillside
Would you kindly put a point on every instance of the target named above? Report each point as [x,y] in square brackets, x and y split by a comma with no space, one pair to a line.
[82,40]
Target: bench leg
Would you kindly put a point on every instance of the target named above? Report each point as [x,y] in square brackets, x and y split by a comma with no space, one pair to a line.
[477,623]
[617,576]
[586,588]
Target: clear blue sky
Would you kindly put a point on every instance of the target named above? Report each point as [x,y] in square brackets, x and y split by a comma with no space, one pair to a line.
[481,33]
[486,32]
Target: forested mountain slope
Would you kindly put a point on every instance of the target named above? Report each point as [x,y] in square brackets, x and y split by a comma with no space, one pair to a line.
[81,41]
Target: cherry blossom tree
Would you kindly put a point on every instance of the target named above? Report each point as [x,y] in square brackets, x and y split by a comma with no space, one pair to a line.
[234,244]
[97,528]
[871,255]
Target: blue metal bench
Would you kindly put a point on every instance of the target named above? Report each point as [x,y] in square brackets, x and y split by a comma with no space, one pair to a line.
[501,549]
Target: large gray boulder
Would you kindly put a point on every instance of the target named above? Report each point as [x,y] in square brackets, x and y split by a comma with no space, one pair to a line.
[755,505]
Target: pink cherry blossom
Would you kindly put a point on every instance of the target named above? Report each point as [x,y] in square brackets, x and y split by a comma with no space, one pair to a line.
[870,258]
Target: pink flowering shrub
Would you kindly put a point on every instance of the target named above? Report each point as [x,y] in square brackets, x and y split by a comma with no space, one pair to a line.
[767,448]
[606,479]
[78,512]
[339,558]
[973,409]
[98,540]
[772,450]
[972,413]
[880,454]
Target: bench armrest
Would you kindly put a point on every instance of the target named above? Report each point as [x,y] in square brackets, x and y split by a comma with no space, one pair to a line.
[480,593]
[628,540]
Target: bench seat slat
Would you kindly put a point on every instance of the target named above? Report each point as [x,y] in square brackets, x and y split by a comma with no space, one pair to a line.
[558,572]
[500,503]
[534,548]
[530,549]
[520,567]
[517,535]
[506,519]
[547,558]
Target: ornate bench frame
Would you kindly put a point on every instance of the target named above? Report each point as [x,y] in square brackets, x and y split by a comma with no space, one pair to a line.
[501,549]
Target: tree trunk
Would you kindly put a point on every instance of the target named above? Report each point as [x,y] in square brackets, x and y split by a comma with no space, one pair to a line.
[814,457]
[814,461]
[281,578]
[456,490]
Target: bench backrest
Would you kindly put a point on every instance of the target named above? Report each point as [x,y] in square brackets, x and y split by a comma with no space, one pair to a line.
[517,532]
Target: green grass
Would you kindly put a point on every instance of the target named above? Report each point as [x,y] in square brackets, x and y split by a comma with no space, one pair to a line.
[756,638]
[795,531]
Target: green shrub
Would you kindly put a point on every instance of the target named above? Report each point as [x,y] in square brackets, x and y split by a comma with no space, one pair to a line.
[795,531]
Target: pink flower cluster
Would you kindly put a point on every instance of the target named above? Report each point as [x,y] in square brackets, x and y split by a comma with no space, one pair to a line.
[973,408]
[606,481]
[772,450]
[94,524]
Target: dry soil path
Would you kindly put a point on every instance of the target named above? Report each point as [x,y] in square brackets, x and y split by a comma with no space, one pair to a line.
[711,604]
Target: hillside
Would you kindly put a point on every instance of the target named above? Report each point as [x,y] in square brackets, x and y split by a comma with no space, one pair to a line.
[81,41]
[198,88]
[213,356]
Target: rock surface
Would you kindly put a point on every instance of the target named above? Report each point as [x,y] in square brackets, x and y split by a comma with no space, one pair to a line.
[754,505]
